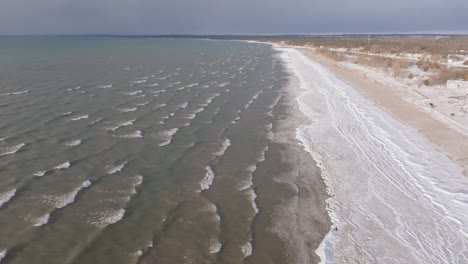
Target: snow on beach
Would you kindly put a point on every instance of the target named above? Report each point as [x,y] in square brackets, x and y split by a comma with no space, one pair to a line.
[394,197]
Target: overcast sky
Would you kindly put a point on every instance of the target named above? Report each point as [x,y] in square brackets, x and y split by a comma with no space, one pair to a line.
[231,16]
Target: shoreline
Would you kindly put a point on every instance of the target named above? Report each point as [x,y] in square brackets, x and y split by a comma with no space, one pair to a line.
[443,137]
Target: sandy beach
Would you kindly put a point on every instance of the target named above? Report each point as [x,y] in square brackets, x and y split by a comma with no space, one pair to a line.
[445,138]
[396,175]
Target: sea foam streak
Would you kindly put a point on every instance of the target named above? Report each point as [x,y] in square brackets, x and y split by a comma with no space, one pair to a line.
[73,142]
[102,219]
[42,220]
[6,197]
[62,166]
[60,201]
[15,93]
[207,181]
[79,117]
[135,134]
[166,136]
[387,183]
[11,149]
[224,147]
[116,168]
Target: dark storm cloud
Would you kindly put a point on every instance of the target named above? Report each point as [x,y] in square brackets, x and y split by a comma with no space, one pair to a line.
[231,17]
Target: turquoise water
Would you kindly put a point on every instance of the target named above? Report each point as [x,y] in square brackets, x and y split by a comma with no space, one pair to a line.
[137,150]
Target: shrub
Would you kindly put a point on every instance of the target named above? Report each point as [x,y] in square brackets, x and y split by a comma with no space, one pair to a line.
[465,63]
[426,82]
[410,76]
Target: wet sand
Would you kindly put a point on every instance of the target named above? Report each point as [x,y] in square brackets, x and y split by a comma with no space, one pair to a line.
[444,138]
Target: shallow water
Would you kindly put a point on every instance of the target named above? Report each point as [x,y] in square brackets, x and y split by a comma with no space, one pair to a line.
[141,150]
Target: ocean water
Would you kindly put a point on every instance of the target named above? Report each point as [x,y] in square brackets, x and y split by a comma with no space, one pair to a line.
[152,151]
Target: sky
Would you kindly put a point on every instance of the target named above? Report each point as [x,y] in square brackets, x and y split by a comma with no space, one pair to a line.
[232,16]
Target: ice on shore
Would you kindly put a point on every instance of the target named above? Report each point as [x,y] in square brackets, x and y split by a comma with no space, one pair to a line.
[394,197]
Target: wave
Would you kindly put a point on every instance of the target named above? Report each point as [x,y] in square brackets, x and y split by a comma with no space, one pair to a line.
[207,181]
[184,105]
[152,85]
[2,139]
[73,142]
[79,117]
[223,84]
[39,173]
[15,93]
[114,169]
[104,86]
[121,124]
[142,104]
[103,219]
[247,249]
[166,136]
[138,81]
[42,220]
[132,93]
[3,254]
[6,197]
[62,166]
[135,134]
[214,246]
[11,149]
[224,147]
[60,201]
[127,109]
[252,196]
[96,121]
[76,88]
[262,154]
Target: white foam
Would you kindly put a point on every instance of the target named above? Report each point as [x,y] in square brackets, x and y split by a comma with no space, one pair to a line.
[79,117]
[76,88]
[114,169]
[122,124]
[134,134]
[73,142]
[133,92]
[247,249]
[3,254]
[262,155]
[198,110]
[184,105]
[214,246]
[224,147]
[190,116]
[105,86]
[6,197]
[15,93]
[96,121]
[11,149]
[138,81]
[60,201]
[142,104]
[223,84]
[39,173]
[62,166]
[105,218]
[2,139]
[166,136]
[252,198]
[207,181]
[127,109]
[152,85]
[393,196]
[42,220]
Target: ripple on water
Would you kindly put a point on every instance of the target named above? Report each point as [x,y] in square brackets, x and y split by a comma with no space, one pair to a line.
[11,149]
[6,197]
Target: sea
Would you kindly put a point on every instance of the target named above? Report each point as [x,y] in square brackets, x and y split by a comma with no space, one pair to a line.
[142,150]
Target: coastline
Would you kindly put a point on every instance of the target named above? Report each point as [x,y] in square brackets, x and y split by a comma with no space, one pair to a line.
[390,175]
[443,137]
